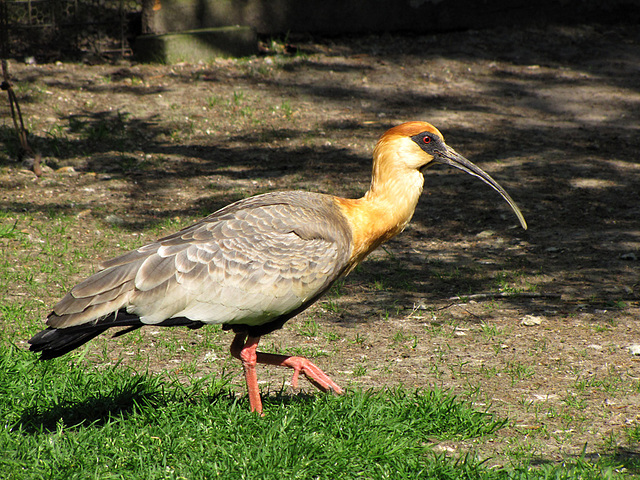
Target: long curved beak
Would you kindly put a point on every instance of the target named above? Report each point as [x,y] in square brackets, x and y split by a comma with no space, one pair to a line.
[454,159]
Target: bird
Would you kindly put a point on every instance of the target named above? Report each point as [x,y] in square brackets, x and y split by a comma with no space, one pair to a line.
[256,263]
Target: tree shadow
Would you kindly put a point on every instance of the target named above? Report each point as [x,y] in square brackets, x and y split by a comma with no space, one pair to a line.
[627,458]
[95,410]
[575,180]
[136,396]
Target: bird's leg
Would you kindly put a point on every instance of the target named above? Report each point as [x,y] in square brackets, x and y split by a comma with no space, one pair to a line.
[246,352]
[245,347]
[300,364]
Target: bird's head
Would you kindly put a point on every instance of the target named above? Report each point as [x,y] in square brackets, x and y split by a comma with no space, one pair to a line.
[418,145]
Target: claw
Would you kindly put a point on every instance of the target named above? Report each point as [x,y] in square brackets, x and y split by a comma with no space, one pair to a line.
[245,349]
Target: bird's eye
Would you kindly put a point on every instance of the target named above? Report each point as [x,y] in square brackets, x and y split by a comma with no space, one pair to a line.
[427,139]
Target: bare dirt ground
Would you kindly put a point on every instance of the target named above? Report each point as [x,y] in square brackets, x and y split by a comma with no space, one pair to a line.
[136,151]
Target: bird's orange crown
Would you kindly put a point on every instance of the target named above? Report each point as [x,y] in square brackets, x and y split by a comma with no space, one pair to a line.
[409,129]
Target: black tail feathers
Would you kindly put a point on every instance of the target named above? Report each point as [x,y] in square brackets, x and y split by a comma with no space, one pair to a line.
[55,342]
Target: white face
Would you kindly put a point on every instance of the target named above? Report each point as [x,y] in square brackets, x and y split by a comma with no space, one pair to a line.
[407,154]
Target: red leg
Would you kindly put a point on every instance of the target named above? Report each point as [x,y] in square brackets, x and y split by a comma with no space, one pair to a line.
[246,352]
[244,348]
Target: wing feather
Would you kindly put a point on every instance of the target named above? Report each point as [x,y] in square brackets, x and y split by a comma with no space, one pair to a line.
[105,280]
[155,270]
[247,264]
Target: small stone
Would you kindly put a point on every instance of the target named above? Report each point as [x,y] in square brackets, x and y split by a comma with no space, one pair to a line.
[629,256]
[210,357]
[544,397]
[67,170]
[531,320]
[114,219]
[485,234]
[634,349]
[444,448]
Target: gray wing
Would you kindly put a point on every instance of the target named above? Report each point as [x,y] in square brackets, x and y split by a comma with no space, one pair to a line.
[249,263]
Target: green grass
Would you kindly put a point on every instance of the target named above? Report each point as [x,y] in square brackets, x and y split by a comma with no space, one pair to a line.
[66,421]
[8,230]
[62,420]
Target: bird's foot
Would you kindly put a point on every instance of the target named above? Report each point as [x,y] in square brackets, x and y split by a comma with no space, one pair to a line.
[304,366]
[245,349]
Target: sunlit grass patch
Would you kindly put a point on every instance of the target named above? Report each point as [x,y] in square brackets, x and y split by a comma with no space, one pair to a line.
[61,420]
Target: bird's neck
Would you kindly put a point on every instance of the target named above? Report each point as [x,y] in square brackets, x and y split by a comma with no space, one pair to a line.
[384,210]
